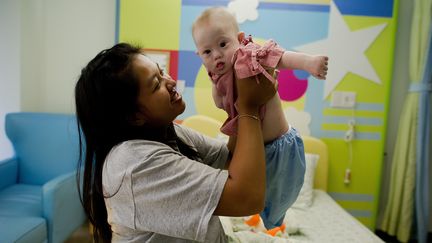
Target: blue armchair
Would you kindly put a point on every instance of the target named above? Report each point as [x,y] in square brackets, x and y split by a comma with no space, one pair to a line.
[39,200]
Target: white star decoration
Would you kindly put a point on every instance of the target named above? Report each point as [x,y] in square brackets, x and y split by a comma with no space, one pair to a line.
[345,49]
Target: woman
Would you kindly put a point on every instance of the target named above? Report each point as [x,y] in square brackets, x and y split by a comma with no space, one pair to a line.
[146,179]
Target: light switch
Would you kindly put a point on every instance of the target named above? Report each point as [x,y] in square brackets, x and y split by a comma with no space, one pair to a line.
[343,99]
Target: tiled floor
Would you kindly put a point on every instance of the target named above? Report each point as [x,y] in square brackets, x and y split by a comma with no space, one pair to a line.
[81,235]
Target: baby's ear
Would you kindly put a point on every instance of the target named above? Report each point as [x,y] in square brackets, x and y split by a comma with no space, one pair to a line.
[240,36]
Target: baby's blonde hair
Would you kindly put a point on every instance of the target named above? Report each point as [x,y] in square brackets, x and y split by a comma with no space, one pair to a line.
[216,14]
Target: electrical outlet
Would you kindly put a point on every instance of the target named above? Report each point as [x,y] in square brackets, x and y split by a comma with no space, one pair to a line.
[343,99]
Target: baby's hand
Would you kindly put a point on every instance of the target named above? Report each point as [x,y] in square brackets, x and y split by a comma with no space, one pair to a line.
[317,66]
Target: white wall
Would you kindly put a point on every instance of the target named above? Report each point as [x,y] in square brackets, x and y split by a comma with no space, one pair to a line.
[59,38]
[43,45]
[9,66]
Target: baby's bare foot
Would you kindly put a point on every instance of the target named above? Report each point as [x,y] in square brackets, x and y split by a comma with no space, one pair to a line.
[318,66]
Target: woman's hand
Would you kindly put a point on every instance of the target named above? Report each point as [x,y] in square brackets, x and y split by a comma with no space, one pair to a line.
[251,94]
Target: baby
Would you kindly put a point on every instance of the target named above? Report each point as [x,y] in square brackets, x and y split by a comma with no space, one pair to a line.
[228,55]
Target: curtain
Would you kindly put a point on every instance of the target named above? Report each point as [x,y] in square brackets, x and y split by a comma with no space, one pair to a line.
[408,193]
[423,131]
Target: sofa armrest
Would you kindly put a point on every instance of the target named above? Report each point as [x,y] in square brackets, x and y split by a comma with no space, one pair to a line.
[62,207]
[8,172]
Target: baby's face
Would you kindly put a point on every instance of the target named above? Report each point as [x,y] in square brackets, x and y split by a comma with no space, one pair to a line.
[216,45]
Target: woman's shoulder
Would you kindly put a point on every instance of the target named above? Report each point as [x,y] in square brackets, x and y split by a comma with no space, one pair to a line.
[137,145]
[133,151]
[186,134]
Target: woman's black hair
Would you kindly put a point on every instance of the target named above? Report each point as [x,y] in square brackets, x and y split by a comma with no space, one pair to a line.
[106,97]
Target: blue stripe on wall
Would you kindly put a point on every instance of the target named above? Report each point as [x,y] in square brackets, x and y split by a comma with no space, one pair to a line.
[362,106]
[351,197]
[262,5]
[205,2]
[297,7]
[357,136]
[378,8]
[360,213]
[370,106]
[358,121]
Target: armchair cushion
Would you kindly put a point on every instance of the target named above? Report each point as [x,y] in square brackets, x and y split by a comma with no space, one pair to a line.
[21,200]
[8,172]
[23,229]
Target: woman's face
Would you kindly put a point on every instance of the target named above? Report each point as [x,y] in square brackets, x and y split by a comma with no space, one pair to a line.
[158,101]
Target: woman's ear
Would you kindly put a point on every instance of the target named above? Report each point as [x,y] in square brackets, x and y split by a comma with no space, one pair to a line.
[240,36]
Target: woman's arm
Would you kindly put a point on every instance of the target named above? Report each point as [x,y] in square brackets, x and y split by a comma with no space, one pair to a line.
[244,190]
[231,147]
[231,144]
